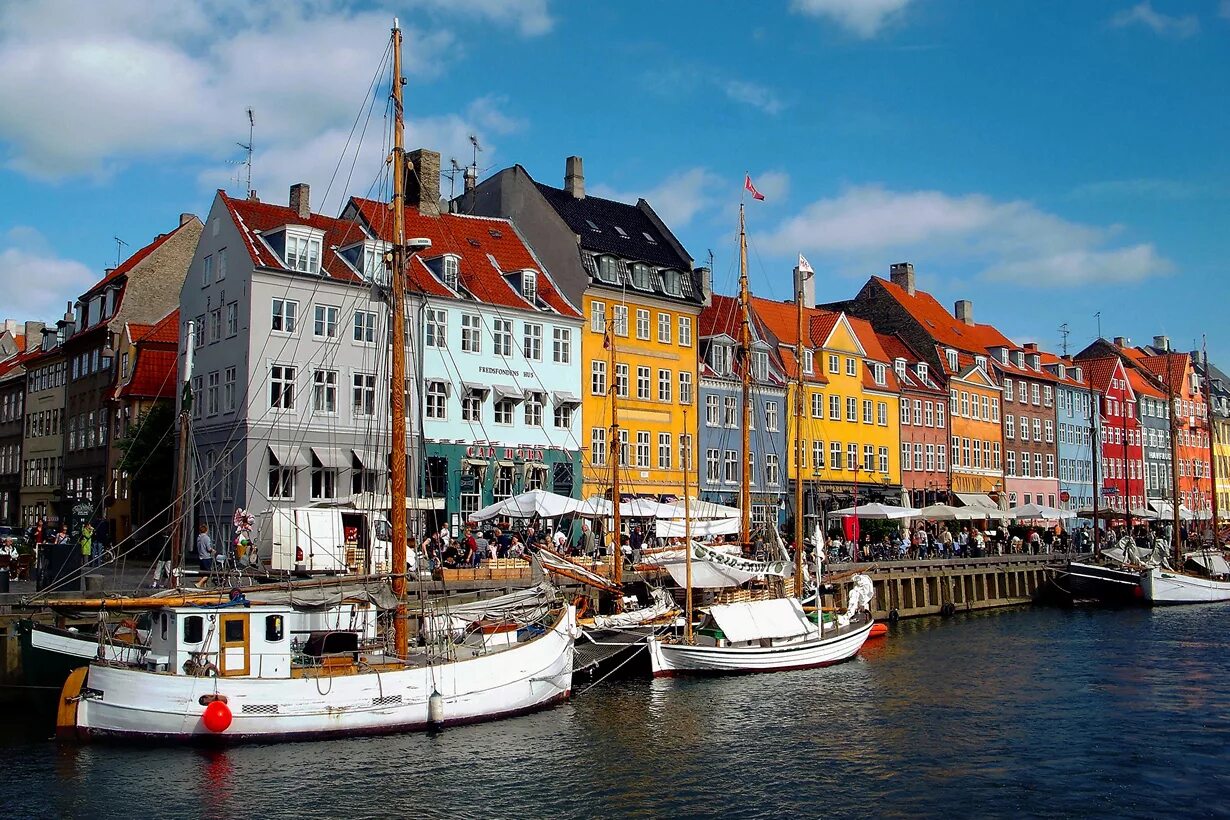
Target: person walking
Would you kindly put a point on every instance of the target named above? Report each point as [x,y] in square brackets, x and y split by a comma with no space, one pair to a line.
[87,545]
[205,548]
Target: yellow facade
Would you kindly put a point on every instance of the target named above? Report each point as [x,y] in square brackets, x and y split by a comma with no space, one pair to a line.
[656,367]
[858,407]
[1221,451]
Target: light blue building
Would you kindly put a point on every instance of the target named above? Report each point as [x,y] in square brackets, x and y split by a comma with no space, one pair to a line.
[1076,426]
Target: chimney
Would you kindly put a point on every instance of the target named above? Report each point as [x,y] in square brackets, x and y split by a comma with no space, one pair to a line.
[184,219]
[706,285]
[423,181]
[471,178]
[1122,341]
[34,335]
[300,201]
[252,197]
[964,311]
[808,288]
[1031,346]
[574,177]
[1161,342]
[901,274]
[69,316]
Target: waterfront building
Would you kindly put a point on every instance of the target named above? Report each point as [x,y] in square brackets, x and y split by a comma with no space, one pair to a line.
[1121,475]
[1184,391]
[12,423]
[290,342]
[42,446]
[923,424]
[142,289]
[1218,390]
[719,418]
[625,269]
[1030,451]
[1075,431]
[147,357]
[499,349]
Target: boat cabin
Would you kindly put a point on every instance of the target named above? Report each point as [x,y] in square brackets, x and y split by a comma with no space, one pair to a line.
[754,624]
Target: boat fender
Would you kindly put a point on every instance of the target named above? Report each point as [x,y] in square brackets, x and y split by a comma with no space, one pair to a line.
[217,717]
[893,616]
[435,709]
[205,700]
[948,609]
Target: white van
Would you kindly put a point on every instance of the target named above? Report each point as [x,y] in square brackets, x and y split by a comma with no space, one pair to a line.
[325,540]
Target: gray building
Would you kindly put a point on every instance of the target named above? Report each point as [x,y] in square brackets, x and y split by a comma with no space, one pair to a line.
[43,441]
[290,341]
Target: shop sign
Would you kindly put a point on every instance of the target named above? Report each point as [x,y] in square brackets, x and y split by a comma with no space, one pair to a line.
[508,453]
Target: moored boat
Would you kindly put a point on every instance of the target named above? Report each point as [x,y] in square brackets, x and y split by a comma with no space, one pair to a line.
[1087,582]
[1165,587]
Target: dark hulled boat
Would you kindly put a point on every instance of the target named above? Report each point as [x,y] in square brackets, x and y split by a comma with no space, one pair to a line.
[1084,582]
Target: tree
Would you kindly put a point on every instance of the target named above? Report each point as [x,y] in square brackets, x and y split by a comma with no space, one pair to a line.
[149,461]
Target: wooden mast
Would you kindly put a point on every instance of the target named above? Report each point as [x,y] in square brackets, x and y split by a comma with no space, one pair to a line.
[1208,428]
[184,504]
[687,546]
[745,347]
[397,375]
[1095,447]
[1174,464]
[799,455]
[617,571]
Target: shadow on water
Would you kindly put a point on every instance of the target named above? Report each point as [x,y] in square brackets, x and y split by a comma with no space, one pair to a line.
[996,713]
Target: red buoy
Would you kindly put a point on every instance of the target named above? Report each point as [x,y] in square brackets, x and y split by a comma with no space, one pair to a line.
[878,631]
[217,716]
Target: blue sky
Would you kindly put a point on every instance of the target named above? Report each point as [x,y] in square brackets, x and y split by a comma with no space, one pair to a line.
[1047,160]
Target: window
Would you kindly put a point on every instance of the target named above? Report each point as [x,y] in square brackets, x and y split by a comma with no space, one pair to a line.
[502,337]
[504,411]
[619,314]
[642,324]
[731,467]
[951,355]
[918,413]
[930,451]
[642,382]
[324,481]
[685,331]
[529,286]
[965,459]
[665,379]
[1025,465]
[213,394]
[851,367]
[985,403]
[730,412]
[284,314]
[1050,465]
[817,405]
[1022,392]
[1037,465]
[1037,429]
[952,406]
[817,455]
[834,363]
[364,394]
[808,364]
[532,347]
[563,416]
[852,457]
[471,333]
[597,317]
[503,485]
[303,253]
[1047,395]
[712,466]
[1007,389]
[941,458]
[760,365]
[906,449]
[533,409]
[665,448]
[905,411]
[721,356]
[365,327]
[1009,426]
[1011,462]
[1050,432]
[851,408]
[194,629]
[685,387]
[994,409]
[882,459]
[772,470]
[882,413]
[664,328]
[711,411]
[835,407]
[436,334]
[929,413]
[867,411]
[597,377]
[640,275]
[228,389]
[642,448]
[282,387]
[939,415]
[995,450]
[472,406]
[561,345]
[435,405]
[835,455]
[597,446]
[771,416]
[965,404]
[451,268]
[325,323]
[1034,393]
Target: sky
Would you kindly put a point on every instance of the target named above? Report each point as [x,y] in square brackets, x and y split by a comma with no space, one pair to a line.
[1047,160]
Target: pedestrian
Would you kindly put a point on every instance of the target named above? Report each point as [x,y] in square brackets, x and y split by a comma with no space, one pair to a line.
[87,545]
[587,541]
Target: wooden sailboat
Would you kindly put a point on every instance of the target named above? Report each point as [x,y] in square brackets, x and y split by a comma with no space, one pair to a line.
[1178,586]
[766,635]
[232,672]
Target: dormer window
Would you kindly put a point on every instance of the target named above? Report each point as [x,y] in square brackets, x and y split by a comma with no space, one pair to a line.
[593,227]
[451,267]
[720,358]
[879,373]
[1078,374]
[899,368]
[1019,357]
[621,231]
[303,251]
[649,238]
[809,363]
[981,361]
[607,271]
[760,365]
[922,370]
[952,358]
[529,286]
[1062,371]
[670,282]
[640,277]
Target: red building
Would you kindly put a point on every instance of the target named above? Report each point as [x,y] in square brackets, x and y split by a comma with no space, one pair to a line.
[1183,390]
[924,424]
[1121,472]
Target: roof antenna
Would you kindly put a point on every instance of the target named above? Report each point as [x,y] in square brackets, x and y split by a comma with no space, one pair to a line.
[248,148]
[452,176]
[120,244]
[1098,316]
[477,149]
[1063,332]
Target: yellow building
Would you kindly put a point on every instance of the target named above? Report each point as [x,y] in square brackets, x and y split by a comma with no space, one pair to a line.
[1221,451]
[851,422]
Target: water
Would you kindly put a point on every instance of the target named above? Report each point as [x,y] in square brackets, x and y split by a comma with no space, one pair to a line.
[1022,712]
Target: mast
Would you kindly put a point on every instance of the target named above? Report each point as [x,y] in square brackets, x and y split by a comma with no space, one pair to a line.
[1208,429]
[397,370]
[617,572]
[687,547]
[184,504]
[1127,469]
[745,344]
[1174,463]
[799,455]
[1095,449]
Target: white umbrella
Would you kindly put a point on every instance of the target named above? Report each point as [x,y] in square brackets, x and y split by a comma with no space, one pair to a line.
[538,503]
[1031,511]
[878,511]
[944,512]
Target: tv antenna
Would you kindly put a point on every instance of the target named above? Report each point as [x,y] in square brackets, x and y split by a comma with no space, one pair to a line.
[1098,316]
[1063,333]
[248,149]
[120,244]
[452,173]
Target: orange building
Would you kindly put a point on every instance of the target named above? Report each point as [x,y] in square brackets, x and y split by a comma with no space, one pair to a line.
[976,472]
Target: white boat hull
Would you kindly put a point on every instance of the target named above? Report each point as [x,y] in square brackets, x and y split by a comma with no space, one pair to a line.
[811,650]
[1163,587]
[138,704]
[85,647]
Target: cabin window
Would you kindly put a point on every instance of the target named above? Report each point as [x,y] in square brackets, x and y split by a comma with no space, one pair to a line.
[163,621]
[273,629]
[233,630]
[194,629]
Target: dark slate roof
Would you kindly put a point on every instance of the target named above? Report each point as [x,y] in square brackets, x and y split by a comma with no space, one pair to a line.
[644,241]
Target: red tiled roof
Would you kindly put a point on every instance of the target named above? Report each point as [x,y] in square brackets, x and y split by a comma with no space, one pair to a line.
[131,262]
[942,325]
[1050,359]
[1101,371]
[153,375]
[1169,368]
[136,330]
[253,217]
[488,249]
[1143,385]
[164,331]
[720,316]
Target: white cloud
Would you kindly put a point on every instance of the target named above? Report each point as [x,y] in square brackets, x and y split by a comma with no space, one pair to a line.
[753,94]
[173,80]
[775,185]
[1143,14]
[865,18]
[866,225]
[677,199]
[34,279]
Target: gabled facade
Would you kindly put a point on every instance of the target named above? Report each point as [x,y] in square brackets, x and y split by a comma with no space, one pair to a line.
[923,423]
[976,467]
[1075,431]
[1030,450]
[720,414]
[622,265]
[1121,470]
[1176,371]
[498,346]
[13,375]
[42,446]
[1217,387]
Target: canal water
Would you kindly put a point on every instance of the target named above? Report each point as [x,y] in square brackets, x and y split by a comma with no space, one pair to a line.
[1015,712]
